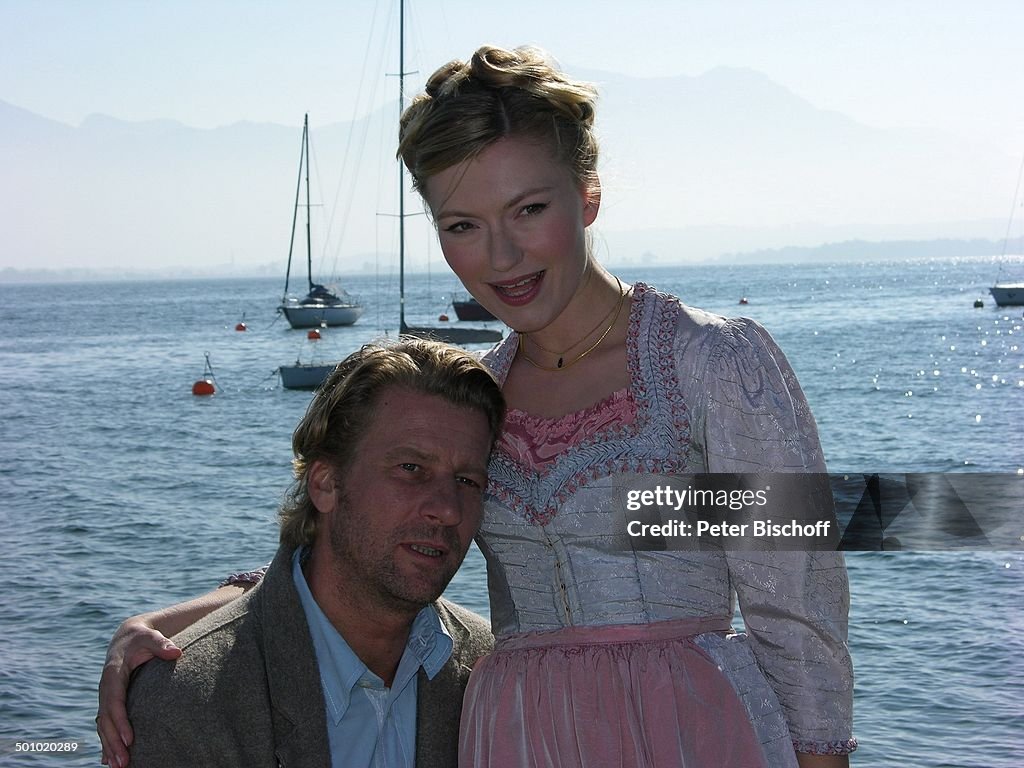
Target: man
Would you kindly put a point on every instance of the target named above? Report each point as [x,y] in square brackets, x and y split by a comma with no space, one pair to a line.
[344,654]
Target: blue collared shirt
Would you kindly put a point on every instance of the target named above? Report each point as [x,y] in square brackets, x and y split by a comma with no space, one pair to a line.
[369,724]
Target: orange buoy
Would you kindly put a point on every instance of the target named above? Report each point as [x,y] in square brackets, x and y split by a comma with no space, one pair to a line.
[313,335]
[203,387]
[443,318]
[241,327]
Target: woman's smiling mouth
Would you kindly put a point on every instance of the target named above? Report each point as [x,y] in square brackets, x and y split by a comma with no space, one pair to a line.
[519,291]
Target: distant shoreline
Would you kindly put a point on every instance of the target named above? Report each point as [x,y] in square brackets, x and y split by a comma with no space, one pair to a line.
[891,250]
[827,253]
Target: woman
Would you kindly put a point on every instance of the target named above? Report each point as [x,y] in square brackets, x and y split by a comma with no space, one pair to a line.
[607,655]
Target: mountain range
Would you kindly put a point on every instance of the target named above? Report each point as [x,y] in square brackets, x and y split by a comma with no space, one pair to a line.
[692,168]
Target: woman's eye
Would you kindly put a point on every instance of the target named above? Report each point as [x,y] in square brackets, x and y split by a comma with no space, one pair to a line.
[408,466]
[459,226]
[534,208]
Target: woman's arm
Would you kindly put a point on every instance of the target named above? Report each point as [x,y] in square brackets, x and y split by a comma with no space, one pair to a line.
[135,642]
[795,603]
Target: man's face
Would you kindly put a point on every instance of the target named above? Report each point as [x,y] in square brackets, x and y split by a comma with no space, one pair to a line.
[410,503]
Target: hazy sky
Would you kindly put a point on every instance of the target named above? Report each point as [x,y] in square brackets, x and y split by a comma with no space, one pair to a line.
[957,65]
[952,68]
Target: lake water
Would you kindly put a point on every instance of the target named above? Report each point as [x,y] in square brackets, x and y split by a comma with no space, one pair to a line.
[120,491]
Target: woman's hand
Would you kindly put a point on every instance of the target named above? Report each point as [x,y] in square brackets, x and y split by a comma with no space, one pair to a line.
[135,642]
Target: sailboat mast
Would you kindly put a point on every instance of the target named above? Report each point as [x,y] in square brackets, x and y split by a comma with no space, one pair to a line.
[450,335]
[309,238]
[401,170]
[295,211]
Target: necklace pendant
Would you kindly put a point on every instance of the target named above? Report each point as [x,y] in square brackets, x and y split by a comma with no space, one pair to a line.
[559,362]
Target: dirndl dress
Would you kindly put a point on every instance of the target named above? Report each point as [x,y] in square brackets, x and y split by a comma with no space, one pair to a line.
[610,655]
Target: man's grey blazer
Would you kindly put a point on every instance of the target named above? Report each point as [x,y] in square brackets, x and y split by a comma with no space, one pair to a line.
[246,692]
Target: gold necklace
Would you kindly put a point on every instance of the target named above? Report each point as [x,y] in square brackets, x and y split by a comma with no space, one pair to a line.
[562,365]
[582,338]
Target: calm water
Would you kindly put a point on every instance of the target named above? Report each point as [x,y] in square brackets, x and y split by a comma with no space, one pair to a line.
[121,491]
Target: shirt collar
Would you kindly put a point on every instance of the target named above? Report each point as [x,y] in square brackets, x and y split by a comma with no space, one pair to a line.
[429,646]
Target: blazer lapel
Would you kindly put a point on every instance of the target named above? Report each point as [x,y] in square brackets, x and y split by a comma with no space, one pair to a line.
[298,712]
[439,704]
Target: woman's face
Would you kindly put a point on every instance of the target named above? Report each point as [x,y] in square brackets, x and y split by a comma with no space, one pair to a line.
[512,223]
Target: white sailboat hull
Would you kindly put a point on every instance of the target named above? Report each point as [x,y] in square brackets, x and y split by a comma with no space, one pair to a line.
[318,315]
[1008,294]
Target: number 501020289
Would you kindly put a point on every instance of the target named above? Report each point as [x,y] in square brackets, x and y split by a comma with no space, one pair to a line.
[46,746]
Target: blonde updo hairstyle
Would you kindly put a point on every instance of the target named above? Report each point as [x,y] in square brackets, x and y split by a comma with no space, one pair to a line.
[499,94]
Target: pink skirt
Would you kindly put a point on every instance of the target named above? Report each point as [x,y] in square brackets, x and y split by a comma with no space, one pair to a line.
[637,695]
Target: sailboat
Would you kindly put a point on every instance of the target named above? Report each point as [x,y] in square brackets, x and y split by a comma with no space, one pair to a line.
[320,307]
[311,375]
[452,335]
[1007,293]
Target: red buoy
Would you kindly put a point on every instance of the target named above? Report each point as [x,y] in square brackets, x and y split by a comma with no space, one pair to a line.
[443,318]
[241,327]
[203,387]
[313,335]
